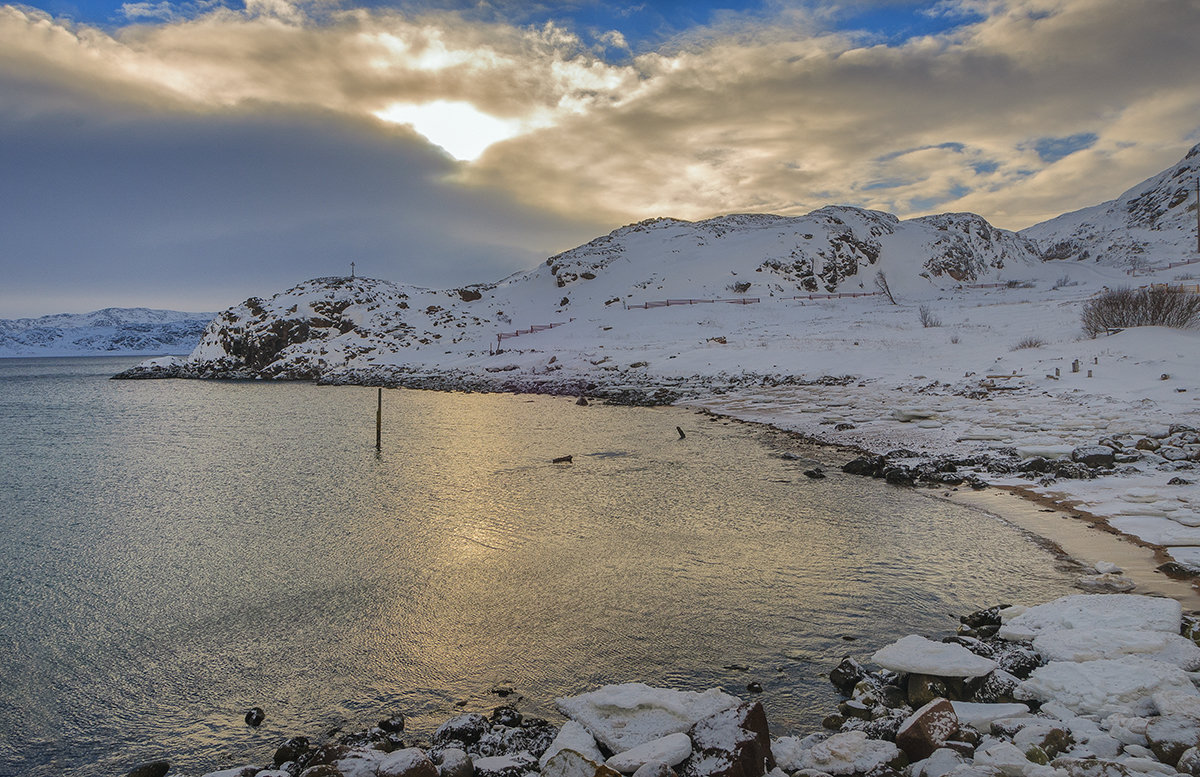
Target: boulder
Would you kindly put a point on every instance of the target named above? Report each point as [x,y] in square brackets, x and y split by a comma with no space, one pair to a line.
[453,762]
[735,742]
[1189,762]
[512,765]
[871,466]
[322,770]
[980,716]
[938,763]
[151,769]
[655,769]
[534,736]
[568,763]
[998,687]
[923,688]
[672,750]
[1093,456]
[466,729]
[1090,767]
[506,716]
[291,750]
[846,675]
[927,729]
[393,724]
[1169,736]
[410,762]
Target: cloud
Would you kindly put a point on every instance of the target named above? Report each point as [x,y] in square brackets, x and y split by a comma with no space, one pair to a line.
[1018,110]
[143,207]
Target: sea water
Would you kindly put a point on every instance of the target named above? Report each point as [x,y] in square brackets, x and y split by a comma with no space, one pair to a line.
[173,553]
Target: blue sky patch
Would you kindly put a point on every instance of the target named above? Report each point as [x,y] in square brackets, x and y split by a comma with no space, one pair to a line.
[1053,149]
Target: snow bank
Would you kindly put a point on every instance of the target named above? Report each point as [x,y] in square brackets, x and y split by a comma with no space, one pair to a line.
[1095,611]
[622,717]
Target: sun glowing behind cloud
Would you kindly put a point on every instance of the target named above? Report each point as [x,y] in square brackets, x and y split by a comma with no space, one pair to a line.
[458,127]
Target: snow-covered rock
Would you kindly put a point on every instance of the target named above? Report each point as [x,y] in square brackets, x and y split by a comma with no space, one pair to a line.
[850,752]
[621,717]
[573,736]
[915,654]
[980,716]
[672,750]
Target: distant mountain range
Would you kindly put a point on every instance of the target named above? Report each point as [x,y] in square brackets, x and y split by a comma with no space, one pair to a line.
[112,331]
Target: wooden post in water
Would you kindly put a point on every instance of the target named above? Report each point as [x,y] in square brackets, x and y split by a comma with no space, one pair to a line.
[379,422]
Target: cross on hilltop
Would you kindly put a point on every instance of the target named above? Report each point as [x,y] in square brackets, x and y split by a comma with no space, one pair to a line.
[352,269]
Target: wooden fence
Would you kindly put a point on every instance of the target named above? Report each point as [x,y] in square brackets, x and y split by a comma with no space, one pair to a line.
[839,295]
[502,336]
[666,303]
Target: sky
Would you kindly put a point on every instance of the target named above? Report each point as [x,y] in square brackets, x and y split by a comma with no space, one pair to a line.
[188,155]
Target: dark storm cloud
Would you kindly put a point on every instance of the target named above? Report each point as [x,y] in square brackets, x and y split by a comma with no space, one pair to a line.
[201,210]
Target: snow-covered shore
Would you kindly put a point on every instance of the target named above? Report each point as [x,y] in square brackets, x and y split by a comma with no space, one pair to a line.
[1086,685]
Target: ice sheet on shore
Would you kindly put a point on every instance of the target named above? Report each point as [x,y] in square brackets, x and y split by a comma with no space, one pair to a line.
[621,717]
[1121,685]
[1127,612]
[1093,644]
[922,656]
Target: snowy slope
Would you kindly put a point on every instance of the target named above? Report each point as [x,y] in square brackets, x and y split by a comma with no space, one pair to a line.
[1151,225]
[112,331]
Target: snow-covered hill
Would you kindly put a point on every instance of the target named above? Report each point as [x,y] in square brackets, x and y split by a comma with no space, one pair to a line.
[1150,226]
[112,331]
[333,324]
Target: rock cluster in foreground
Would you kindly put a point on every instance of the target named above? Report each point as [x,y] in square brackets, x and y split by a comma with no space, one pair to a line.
[1084,686]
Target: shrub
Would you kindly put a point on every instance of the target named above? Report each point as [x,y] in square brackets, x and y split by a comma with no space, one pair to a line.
[1153,306]
[1029,342]
[928,319]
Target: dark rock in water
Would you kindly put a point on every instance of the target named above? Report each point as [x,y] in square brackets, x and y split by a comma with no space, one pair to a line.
[988,617]
[871,466]
[291,750]
[559,460]
[846,675]
[815,473]
[855,709]
[467,729]
[393,724]
[1093,456]
[732,743]
[152,769]
[582,401]
[754,687]
[255,716]
[506,716]
[927,729]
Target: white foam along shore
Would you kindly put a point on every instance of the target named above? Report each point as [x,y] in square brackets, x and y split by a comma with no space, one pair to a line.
[1083,686]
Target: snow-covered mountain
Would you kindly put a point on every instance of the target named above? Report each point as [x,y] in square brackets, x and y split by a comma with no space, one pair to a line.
[1151,225]
[111,331]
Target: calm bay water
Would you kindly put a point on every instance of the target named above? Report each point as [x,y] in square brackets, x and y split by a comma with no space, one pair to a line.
[175,552]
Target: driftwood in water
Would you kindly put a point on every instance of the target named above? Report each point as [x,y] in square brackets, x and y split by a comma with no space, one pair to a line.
[561,460]
[681,434]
